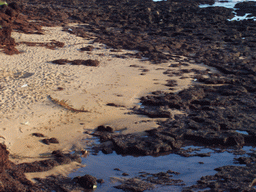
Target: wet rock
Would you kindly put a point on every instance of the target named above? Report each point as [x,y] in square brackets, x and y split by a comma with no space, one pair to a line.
[230,178]
[4,154]
[12,178]
[155,112]
[100,181]
[37,134]
[140,183]
[245,160]
[135,185]
[59,158]
[132,144]
[211,138]
[49,141]
[103,128]
[87,181]
[58,183]
[88,48]
[245,7]
[107,150]
[163,178]
[207,117]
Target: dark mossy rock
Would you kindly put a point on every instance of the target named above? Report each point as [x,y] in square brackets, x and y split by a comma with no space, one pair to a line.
[87,181]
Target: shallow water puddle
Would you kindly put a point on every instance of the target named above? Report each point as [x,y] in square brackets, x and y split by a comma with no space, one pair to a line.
[242,132]
[111,167]
[227,4]
[230,4]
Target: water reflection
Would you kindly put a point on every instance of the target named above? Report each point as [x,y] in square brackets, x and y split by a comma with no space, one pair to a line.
[227,4]
[191,168]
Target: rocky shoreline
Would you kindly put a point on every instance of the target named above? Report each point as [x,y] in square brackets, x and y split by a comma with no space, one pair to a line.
[216,108]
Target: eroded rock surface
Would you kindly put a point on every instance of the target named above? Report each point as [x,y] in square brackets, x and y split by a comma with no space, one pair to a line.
[13,177]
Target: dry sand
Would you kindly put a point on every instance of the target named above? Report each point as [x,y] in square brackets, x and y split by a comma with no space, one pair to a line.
[28,79]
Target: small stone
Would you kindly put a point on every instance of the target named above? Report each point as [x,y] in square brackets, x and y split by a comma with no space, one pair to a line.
[107,150]
[53,140]
[46,141]
[60,88]
[87,181]
[91,62]
[37,134]
[103,128]
[125,174]
[100,181]
[88,48]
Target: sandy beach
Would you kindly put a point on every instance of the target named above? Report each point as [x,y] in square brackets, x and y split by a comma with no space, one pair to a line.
[152,95]
[30,79]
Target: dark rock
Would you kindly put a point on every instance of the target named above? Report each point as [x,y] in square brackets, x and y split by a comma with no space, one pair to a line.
[49,141]
[60,61]
[12,178]
[86,181]
[59,158]
[135,185]
[125,174]
[155,112]
[114,105]
[88,48]
[58,153]
[38,134]
[4,154]
[100,181]
[103,128]
[107,150]
[60,88]
[245,7]
[171,83]
[46,141]
[231,178]
[77,62]
[53,140]
[91,62]
[163,178]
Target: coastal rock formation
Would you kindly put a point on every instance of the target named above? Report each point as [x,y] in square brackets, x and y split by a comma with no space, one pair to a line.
[12,178]
[221,110]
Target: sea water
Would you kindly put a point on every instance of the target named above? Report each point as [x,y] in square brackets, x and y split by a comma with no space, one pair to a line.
[191,169]
[230,4]
[227,4]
